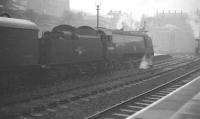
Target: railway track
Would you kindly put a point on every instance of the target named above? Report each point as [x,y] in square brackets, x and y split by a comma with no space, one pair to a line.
[140,102]
[85,95]
[158,67]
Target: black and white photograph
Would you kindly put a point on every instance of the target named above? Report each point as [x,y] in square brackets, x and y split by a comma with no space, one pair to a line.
[99,59]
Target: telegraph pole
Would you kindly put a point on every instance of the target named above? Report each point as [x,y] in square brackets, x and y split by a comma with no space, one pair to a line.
[98,4]
[98,16]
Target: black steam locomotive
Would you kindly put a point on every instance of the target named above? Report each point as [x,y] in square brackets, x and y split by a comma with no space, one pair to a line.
[69,49]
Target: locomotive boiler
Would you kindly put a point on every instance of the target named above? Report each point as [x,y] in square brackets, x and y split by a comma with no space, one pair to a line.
[127,45]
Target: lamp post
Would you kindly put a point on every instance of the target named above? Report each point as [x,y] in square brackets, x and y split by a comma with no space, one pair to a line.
[98,4]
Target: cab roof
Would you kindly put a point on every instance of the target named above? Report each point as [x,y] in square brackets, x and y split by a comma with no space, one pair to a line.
[17,23]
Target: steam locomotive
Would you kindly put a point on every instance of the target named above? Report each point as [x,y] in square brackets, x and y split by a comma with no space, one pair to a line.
[68,49]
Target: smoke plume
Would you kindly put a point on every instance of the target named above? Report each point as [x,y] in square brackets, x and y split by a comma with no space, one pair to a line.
[194,21]
[127,22]
[145,63]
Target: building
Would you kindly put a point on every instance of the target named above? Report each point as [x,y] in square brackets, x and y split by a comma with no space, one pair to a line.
[171,33]
[49,7]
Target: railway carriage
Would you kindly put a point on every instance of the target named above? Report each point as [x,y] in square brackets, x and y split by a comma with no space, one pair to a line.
[18,44]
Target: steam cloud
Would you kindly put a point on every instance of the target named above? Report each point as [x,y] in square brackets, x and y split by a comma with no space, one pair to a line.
[194,21]
[128,22]
[145,63]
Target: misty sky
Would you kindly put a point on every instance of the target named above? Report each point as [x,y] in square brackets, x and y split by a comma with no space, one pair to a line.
[137,7]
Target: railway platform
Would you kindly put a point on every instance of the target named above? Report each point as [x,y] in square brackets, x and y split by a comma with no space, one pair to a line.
[183,103]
